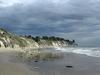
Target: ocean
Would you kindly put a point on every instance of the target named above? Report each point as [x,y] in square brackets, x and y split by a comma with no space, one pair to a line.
[93,52]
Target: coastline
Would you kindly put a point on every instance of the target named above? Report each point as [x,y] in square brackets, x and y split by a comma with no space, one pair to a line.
[81,65]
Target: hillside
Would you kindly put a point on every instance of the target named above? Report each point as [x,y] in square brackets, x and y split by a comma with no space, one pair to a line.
[10,40]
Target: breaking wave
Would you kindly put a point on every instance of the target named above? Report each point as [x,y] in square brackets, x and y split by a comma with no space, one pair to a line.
[94,52]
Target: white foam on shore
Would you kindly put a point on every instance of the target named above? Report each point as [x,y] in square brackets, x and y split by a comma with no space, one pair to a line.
[94,52]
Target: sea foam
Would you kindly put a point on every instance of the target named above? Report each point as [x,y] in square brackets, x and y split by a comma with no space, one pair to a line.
[94,52]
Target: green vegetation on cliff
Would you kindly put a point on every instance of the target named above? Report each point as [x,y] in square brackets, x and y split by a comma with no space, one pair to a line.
[8,39]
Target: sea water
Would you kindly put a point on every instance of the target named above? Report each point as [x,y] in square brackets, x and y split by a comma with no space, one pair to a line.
[94,52]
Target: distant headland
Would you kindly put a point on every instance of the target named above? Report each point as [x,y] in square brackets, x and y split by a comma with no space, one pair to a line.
[9,40]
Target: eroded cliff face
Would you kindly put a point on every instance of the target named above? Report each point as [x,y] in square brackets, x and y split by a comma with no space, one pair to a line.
[48,44]
[13,41]
[9,40]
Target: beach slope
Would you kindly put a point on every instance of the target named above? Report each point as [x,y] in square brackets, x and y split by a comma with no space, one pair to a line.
[7,67]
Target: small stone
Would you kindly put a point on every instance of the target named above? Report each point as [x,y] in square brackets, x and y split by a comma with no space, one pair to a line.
[69,66]
[36,61]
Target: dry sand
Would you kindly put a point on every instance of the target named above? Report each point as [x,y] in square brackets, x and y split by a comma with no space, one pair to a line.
[8,67]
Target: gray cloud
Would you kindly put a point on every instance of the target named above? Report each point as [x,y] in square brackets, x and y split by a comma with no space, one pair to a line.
[73,19]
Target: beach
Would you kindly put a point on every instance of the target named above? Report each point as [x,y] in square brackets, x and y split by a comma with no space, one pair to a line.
[10,67]
[81,65]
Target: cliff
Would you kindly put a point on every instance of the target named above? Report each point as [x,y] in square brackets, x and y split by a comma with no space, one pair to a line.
[9,40]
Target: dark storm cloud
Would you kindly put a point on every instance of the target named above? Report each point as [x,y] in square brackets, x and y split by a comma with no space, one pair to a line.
[74,19]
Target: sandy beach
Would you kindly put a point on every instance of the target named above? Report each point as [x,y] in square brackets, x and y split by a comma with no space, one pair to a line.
[7,67]
[82,65]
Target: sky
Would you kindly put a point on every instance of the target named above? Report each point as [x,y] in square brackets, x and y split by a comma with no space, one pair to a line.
[70,19]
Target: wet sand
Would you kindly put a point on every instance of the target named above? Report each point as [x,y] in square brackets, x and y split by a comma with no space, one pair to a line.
[8,67]
[82,65]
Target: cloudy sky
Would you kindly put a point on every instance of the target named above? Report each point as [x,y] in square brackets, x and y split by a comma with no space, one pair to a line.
[73,19]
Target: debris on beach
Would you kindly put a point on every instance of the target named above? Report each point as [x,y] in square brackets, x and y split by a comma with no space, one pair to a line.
[69,66]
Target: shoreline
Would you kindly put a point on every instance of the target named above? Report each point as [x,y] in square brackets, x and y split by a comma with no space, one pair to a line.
[81,65]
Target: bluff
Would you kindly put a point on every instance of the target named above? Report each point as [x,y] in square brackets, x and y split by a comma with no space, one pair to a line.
[10,40]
